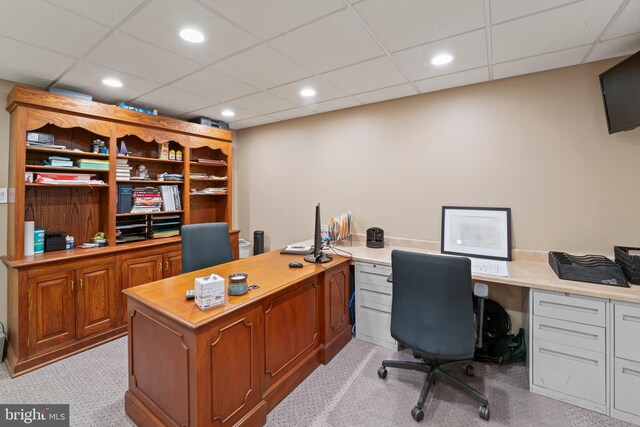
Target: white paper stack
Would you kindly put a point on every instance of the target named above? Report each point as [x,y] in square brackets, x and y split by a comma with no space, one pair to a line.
[209,291]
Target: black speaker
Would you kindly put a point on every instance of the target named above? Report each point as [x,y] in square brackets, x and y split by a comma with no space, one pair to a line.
[258,242]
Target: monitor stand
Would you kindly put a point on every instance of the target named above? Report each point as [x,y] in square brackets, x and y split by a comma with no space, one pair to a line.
[322,258]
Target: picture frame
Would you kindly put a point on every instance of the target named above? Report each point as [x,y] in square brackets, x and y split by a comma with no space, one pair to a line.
[476,232]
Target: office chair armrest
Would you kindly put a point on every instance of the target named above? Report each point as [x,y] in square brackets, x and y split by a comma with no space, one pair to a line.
[390,278]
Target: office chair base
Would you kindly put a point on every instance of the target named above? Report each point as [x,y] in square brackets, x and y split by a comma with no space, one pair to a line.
[435,374]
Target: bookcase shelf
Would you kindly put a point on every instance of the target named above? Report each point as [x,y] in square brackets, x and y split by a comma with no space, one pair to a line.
[62,302]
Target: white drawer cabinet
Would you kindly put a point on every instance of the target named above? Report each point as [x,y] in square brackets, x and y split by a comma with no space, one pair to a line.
[626,365]
[568,355]
[373,304]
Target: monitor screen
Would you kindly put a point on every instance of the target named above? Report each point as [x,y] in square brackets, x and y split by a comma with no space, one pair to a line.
[621,94]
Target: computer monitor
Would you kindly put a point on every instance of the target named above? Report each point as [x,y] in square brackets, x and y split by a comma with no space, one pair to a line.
[317,256]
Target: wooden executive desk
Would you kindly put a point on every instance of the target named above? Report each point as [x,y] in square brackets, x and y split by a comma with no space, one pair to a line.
[233,363]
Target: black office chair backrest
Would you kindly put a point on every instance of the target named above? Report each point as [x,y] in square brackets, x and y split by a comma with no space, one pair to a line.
[432,305]
[205,245]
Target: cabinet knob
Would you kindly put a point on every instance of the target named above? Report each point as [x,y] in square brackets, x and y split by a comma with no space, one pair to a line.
[80,284]
[166,265]
[72,286]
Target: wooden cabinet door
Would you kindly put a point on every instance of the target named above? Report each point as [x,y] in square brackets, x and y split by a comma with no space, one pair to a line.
[172,263]
[137,272]
[95,293]
[51,311]
[336,301]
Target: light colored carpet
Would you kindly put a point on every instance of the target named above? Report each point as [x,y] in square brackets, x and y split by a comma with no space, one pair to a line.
[346,392]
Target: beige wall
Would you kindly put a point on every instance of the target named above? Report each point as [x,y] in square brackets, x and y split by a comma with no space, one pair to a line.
[536,143]
[5,87]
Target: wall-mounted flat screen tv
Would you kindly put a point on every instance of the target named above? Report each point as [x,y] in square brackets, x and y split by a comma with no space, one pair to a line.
[621,94]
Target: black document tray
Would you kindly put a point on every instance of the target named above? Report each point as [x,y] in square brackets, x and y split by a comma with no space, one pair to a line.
[587,268]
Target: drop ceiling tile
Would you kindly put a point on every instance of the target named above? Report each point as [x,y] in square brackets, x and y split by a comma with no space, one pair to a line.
[549,61]
[270,18]
[332,42]
[569,26]
[215,112]
[255,121]
[628,22]
[262,67]
[214,85]
[263,103]
[291,91]
[504,10]
[160,21]
[613,48]
[178,101]
[387,93]
[87,78]
[365,76]
[469,51]
[108,13]
[23,77]
[335,104]
[49,27]
[454,80]
[32,61]
[407,23]
[132,56]
[293,113]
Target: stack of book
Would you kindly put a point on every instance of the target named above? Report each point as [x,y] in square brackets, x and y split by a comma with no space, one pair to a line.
[57,161]
[171,176]
[170,197]
[93,164]
[210,190]
[123,170]
[198,175]
[146,199]
[67,178]
[213,162]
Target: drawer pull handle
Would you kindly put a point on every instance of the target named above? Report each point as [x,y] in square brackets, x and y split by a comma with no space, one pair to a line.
[374,291]
[569,332]
[630,318]
[569,307]
[364,307]
[569,356]
[631,372]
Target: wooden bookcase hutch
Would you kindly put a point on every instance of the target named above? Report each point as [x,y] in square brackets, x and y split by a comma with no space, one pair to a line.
[63,302]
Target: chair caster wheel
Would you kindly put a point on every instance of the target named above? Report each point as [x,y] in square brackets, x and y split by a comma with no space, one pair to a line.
[417,414]
[382,372]
[484,413]
[469,371]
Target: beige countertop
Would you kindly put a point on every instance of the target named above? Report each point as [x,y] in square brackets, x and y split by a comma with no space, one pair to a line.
[529,269]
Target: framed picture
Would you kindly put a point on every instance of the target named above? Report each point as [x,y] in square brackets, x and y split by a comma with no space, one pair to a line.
[476,232]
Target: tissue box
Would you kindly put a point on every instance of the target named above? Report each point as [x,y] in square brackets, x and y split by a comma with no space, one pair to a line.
[210,291]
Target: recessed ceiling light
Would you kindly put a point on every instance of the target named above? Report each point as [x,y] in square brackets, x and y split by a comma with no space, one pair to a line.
[192,35]
[228,113]
[307,92]
[441,59]
[112,82]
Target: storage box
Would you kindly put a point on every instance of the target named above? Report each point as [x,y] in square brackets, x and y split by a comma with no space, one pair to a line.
[630,264]
[210,291]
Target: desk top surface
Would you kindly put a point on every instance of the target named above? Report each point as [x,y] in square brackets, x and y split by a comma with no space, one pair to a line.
[270,271]
[526,273]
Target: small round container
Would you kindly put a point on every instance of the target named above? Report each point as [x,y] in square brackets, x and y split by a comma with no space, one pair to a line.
[238,284]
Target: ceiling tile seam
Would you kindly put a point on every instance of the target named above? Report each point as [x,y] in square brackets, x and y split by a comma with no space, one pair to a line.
[36,46]
[73,12]
[615,16]
[384,49]
[268,39]
[375,90]
[451,74]
[543,54]
[488,36]
[473,30]
[537,12]
[621,37]
[99,42]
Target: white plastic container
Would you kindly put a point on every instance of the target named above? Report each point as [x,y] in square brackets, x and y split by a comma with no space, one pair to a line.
[245,248]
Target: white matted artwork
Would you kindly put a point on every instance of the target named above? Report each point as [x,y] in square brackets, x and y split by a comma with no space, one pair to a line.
[477,232]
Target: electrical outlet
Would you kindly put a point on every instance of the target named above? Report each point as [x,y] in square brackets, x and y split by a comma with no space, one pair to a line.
[4,195]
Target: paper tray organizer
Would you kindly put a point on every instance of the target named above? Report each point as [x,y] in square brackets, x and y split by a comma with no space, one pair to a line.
[587,268]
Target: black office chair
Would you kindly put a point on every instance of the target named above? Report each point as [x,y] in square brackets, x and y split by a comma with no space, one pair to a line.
[205,245]
[432,314]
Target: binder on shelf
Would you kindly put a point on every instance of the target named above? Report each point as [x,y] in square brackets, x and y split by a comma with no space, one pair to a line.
[125,198]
